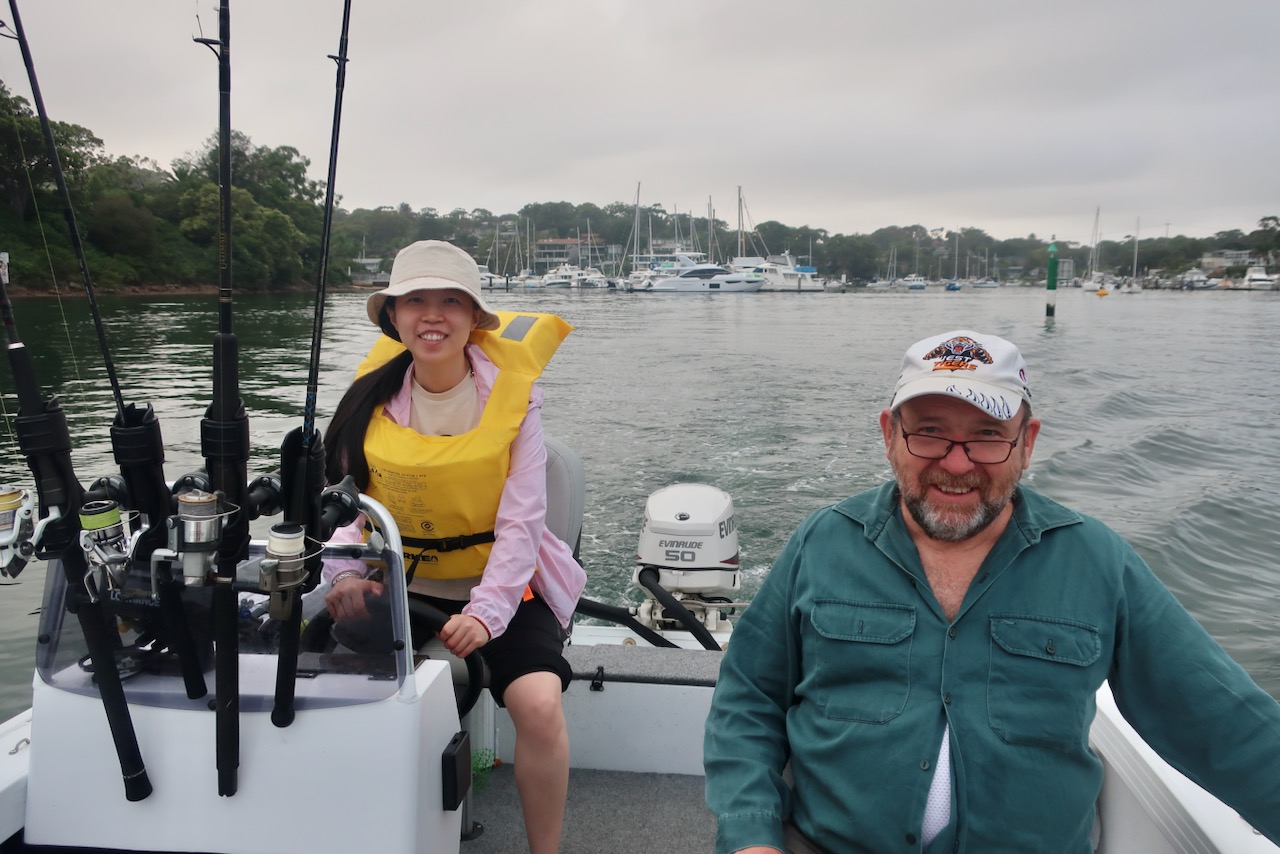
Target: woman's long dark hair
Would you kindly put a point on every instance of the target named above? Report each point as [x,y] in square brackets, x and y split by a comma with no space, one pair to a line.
[344,440]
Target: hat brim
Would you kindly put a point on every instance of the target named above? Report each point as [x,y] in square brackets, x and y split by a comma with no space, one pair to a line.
[377,301]
[992,399]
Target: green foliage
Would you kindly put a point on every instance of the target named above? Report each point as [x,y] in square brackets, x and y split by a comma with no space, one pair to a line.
[121,226]
[24,162]
[855,256]
[482,762]
[266,247]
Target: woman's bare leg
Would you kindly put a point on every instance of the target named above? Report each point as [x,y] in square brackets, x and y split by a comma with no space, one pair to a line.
[542,757]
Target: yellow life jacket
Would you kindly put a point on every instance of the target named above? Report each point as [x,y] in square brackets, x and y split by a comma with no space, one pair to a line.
[443,491]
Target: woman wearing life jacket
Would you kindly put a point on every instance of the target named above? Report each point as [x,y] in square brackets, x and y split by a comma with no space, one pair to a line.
[444,428]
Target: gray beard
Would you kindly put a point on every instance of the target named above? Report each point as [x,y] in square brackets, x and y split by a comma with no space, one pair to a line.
[939,528]
[948,531]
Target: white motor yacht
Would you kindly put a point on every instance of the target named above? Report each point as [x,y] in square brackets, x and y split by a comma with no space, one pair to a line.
[781,273]
[573,276]
[706,279]
[1258,279]
[1195,279]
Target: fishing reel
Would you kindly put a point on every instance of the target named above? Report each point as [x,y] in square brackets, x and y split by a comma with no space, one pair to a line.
[108,542]
[195,532]
[21,532]
[17,527]
[283,569]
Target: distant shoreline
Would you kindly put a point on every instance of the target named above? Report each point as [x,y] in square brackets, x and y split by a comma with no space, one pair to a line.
[168,290]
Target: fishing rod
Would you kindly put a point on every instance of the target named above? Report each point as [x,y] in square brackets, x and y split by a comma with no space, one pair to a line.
[224,443]
[45,440]
[136,441]
[302,468]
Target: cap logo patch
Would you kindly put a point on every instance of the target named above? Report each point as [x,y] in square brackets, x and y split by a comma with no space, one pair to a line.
[958,354]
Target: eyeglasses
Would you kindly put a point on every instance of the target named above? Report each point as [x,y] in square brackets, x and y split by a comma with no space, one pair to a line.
[985,452]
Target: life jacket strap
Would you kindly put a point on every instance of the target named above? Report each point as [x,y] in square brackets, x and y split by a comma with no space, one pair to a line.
[440,544]
[448,544]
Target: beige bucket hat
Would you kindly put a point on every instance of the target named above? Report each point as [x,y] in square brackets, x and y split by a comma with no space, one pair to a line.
[430,265]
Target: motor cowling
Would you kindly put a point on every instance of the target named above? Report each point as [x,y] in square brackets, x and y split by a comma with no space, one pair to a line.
[691,537]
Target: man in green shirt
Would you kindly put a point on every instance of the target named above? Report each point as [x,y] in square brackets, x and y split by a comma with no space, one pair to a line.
[918,671]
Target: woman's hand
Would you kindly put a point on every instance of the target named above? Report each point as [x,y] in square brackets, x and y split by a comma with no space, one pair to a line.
[464,634]
[345,600]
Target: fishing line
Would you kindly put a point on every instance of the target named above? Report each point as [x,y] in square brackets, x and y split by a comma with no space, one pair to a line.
[302,457]
[199,25]
[64,195]
[48,451]
[317,328]
[35,203]
[44,237]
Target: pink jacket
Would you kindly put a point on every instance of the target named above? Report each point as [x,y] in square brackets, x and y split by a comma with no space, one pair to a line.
[521,536]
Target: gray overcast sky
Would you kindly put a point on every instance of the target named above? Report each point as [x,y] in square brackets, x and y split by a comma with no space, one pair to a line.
[1012,116]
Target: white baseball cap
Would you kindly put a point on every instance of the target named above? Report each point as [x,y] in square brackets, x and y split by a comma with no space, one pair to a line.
[983,370]
[430,265]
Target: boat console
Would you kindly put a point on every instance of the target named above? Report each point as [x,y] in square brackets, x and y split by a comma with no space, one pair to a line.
[375,746]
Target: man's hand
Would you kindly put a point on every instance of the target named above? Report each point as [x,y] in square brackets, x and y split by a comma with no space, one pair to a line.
[345,600]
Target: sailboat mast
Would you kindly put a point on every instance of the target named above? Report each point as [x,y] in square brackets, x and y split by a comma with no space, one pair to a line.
[711,219]
[1136,226]
[740,252]
[635,232]
[1093,244]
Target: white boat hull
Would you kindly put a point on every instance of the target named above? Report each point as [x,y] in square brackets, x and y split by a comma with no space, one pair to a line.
[1148,806]
[727,286]
[300,788]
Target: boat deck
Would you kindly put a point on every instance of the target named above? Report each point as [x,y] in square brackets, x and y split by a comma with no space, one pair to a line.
[657,805]
[622,722]
[607,811]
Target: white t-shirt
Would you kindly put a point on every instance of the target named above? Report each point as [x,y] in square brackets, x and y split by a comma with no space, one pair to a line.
[937,810]
[446,413]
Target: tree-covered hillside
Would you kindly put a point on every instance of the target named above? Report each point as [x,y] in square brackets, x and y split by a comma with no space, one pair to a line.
[145,225]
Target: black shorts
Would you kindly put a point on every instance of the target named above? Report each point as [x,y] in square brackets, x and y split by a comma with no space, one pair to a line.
[532,643]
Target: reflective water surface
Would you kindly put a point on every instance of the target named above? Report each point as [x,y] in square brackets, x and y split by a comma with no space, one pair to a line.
[1159,416]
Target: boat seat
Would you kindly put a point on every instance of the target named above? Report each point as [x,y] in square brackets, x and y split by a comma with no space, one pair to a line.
[566,493]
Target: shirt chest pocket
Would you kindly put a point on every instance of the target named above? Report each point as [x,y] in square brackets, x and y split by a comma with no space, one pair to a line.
[1042,680]
[858,658]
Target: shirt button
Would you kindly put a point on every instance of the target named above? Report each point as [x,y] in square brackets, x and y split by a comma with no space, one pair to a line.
[924,764]
[946,698]
[951,632]
[911,839]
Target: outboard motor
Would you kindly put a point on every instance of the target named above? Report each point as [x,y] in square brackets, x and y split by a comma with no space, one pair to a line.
[690,538]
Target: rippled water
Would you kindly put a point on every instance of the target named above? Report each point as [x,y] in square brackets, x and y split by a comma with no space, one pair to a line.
[1159,416]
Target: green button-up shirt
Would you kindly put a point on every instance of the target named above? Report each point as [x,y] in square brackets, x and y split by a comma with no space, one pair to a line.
[844,665]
